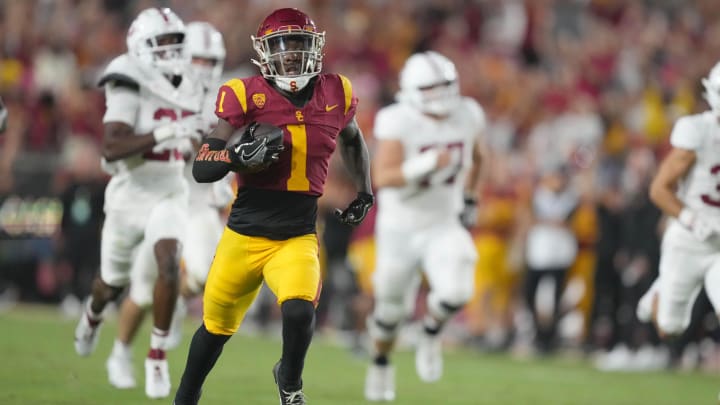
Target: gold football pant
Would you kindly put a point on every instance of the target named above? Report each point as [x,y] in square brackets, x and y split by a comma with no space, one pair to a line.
[290,268]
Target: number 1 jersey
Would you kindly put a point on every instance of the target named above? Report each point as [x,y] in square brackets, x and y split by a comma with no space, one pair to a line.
[281,201]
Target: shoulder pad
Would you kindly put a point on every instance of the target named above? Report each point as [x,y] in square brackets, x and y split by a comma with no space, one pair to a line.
[124,70]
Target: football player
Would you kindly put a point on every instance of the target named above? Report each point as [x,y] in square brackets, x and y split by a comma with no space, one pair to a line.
[687,189]
[271,232]
[151,115]
[426,170]
[205,46]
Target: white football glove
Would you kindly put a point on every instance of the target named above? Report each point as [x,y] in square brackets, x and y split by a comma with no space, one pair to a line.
[701,228]
[222,191]
[187,128]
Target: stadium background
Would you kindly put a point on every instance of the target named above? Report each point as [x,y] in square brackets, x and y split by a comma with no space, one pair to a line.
[593,84]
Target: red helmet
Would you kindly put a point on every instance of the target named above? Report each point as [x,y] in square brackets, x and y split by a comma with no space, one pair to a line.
[289,48]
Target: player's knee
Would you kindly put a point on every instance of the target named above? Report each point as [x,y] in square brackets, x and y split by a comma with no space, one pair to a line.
[106,291]
[669,328]
[297,313]
[444,307]
[386,318]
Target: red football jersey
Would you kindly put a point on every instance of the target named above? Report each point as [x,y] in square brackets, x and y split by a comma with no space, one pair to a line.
[310,132]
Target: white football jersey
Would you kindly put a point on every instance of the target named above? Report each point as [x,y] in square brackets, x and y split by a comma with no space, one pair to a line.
[141,179]
[440,197]
[700,189]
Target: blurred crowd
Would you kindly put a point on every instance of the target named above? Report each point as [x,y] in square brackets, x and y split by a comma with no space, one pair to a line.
[580,97]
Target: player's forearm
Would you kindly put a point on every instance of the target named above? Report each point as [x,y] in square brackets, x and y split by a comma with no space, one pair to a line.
[663,196]
[357,161]
[120,146]
[212,161]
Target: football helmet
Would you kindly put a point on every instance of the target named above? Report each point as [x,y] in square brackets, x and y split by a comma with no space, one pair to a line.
[429,82]
[289,48]
[205,42]
[156,39]
[712,88]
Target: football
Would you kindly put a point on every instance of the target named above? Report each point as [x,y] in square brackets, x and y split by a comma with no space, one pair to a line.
[259,130]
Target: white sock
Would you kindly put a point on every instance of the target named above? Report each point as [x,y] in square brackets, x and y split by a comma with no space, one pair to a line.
[121,349]
[158,339]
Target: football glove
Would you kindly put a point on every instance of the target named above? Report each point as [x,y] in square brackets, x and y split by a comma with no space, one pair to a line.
[357,210]
[469,214]
[700,228]
[187,128]
[252,156]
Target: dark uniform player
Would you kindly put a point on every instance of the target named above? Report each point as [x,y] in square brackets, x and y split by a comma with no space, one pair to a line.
[270,235]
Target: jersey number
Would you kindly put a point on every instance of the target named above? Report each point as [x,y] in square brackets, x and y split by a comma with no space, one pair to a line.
[453,148]
[298,180]
[708,199]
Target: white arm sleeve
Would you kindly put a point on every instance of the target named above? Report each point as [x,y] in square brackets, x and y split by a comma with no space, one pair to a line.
[686,135]
[122,104]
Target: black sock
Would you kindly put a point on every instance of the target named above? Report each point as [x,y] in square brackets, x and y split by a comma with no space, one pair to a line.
[297,330]
[205,348]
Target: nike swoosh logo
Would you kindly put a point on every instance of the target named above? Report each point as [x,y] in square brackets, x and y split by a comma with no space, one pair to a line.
[251,154]
[330,107]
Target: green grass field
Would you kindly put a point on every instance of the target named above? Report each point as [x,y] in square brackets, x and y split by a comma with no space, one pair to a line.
[38,365]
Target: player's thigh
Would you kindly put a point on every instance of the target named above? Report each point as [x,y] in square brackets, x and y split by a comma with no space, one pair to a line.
[397,263]
[449,263]
[233,282]
[293,270]
[205,228]
[143,274]
[681,277]
[122,232]
[168,219]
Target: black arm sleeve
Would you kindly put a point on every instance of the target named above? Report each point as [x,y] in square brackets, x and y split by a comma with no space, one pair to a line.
[212,161]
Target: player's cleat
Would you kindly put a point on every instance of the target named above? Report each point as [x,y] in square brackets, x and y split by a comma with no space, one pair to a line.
[120,371]
[176,327]
[287,397]
[380,383]
[86,335]
[157,378]
[428,358]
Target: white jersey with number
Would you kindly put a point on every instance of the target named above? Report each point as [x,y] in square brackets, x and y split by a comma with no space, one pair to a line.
[143,178]
[440,196]
[146,199]
[700,133]
[687,264]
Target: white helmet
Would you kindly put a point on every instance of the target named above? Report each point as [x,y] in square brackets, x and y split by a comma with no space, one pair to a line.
[429,82]
[156,39]
[712,88]
[205,42]
[289,48]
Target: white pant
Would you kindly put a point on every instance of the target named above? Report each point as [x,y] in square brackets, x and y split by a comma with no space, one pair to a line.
[445,253]
[203,234]
[124,230]
[685,266]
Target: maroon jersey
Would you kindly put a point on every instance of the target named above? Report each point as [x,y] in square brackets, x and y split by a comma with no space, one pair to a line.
[310,132]
[281,201]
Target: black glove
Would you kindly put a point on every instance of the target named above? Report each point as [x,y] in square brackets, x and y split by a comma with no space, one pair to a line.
[469,214]
[356,211]
[252,155]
